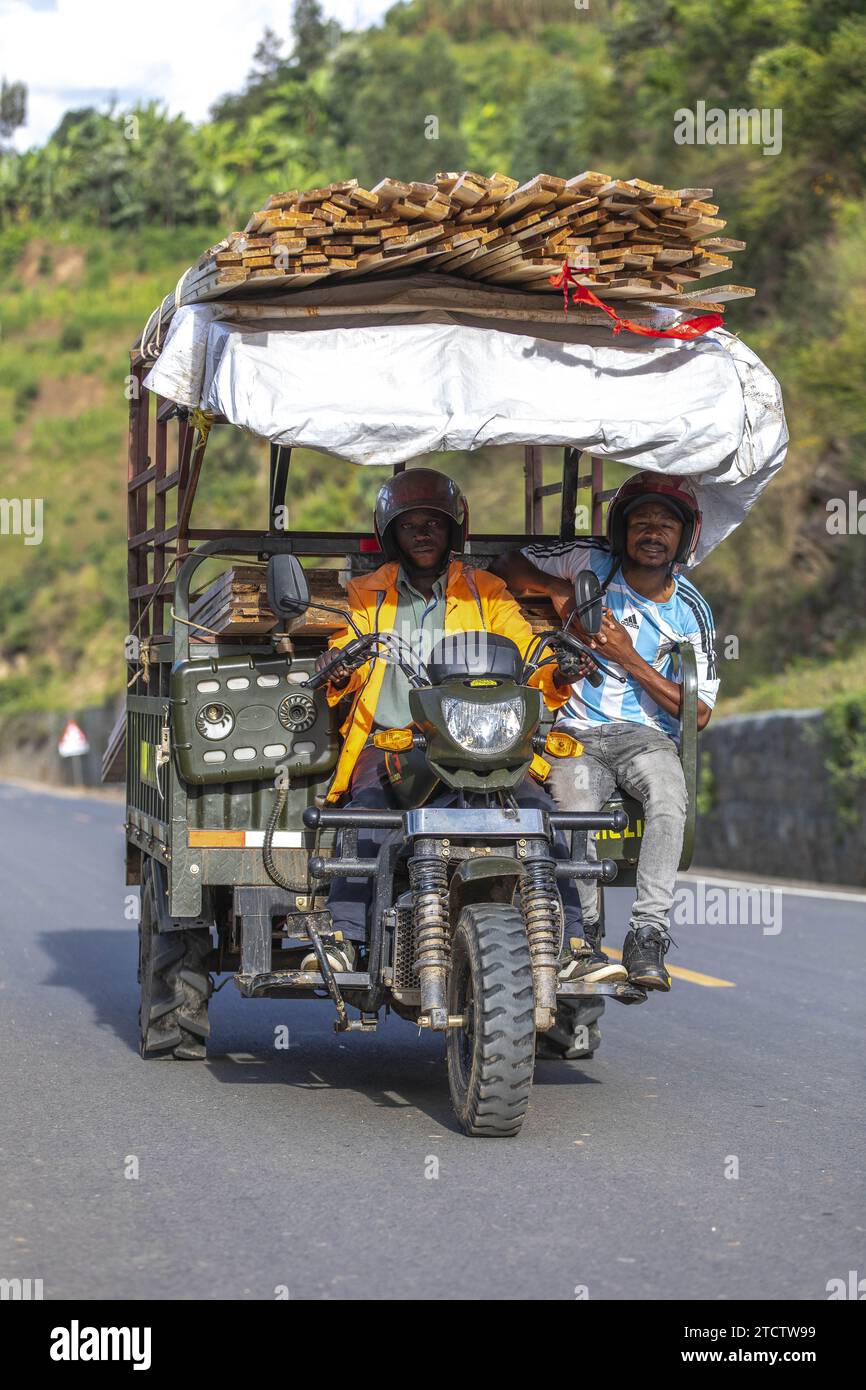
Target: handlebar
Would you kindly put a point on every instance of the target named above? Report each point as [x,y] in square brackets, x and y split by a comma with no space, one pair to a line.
[557,637]
[355,654]
[566,639]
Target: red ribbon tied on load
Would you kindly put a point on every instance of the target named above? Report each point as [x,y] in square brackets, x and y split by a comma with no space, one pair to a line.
[692,328]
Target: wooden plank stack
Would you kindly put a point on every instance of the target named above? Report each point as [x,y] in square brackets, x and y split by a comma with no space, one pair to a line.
[539,613]
[236,605]
[626,239]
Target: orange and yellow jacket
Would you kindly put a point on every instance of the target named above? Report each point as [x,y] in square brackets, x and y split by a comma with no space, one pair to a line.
[474,601]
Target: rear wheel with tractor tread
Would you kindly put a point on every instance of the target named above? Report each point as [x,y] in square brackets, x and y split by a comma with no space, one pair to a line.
[575,1035]
[175,984]
[492,1057]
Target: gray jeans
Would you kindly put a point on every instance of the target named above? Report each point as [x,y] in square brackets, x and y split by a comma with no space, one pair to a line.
[644,763]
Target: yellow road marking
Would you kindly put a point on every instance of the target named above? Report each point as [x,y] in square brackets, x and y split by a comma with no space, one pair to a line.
[693,976]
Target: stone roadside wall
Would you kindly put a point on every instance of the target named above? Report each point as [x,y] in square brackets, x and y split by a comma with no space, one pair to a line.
[773,808]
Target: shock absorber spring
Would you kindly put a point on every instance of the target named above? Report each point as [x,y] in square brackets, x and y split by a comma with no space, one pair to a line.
[428,878]
[542,916]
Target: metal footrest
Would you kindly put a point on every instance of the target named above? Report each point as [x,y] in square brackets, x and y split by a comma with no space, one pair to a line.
[612,989]
[250,985]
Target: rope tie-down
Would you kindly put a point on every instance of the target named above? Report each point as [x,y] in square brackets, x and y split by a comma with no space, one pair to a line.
[690,329]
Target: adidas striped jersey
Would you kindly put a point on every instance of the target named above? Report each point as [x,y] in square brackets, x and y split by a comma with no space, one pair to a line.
[654,629]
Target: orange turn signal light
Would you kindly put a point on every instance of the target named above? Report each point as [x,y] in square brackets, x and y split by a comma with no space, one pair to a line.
[562,745]
[394,740]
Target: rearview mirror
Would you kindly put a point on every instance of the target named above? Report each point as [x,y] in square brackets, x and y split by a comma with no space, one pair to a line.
[588,597]
[288,590]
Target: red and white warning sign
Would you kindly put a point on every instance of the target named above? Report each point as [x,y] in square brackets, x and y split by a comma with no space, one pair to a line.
[73,741]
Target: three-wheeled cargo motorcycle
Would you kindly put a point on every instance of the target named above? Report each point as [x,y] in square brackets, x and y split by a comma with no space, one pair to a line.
[230,745]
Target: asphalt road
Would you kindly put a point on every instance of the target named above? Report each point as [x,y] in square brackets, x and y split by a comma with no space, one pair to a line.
[306,1170]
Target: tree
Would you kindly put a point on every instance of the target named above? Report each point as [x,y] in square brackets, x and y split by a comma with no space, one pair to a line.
[405,114]
[13,109]
[164,168]
[267,57]
[467,21]
[559,122]
[314,36]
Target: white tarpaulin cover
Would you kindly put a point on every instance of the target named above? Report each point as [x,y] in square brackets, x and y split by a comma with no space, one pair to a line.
[385,389]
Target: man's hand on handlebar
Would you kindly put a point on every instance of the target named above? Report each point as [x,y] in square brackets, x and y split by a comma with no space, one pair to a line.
[335,666]
[338,675]
[571,667]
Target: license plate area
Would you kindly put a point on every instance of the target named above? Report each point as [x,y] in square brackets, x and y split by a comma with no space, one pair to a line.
[474,822]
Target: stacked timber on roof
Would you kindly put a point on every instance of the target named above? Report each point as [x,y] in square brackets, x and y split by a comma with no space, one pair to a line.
[625,239]
[236,605]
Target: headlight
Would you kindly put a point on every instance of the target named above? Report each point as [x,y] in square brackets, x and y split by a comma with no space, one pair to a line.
[215,721]
[484,728]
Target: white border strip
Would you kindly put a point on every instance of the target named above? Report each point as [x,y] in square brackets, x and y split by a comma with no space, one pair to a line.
[283,839]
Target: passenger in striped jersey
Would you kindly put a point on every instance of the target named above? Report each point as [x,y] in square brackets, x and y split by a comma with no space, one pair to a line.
[630,731]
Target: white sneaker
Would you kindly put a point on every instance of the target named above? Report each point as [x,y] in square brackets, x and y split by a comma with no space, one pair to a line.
[587,963]
[342,957]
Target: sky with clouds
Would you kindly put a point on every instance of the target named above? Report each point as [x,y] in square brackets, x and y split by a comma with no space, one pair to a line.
[186,53]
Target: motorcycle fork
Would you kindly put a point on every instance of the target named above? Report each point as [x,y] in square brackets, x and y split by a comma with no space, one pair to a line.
[542,916]
[428,879]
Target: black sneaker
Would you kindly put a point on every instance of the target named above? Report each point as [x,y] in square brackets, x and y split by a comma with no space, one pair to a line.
[582,960]
[643,955]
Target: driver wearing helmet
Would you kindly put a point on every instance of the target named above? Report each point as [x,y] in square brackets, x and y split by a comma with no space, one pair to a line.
[629,731]
[423,593]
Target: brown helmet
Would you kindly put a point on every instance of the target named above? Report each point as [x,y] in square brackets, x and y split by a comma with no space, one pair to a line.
[673,493]
[420,487]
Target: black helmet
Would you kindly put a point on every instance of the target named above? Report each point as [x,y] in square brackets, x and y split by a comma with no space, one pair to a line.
[420,487]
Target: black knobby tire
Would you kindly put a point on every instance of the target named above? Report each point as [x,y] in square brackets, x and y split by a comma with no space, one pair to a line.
[175,985]
[490,1062]
[563,1040]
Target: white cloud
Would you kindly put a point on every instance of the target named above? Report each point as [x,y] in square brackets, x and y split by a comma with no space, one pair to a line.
[184,52]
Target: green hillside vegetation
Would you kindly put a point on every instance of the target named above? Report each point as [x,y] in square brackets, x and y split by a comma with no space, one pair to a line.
[96,226]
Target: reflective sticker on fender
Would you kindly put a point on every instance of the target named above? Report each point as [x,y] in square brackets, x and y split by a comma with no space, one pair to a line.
[147,763]
[475,683]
